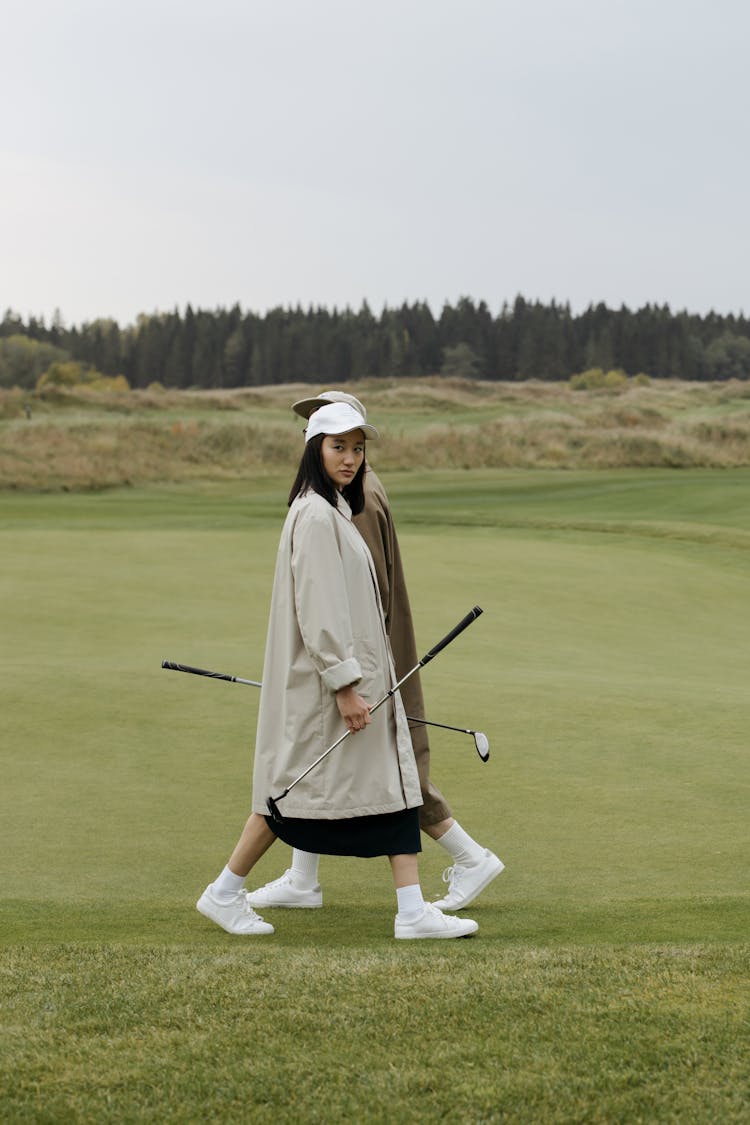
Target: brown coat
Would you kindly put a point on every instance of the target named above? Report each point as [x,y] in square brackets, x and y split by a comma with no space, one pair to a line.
[326,631]
[375,524]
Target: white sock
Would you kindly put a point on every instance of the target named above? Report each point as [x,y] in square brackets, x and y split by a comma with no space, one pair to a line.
[410,902]
[227,885]
[465,851]
[305,870]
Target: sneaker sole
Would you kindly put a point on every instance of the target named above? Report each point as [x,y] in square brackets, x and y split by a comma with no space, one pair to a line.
[257,905]
[433,937]
[442,903]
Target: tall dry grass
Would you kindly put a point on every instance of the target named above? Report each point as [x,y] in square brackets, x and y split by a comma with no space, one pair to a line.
[85,439]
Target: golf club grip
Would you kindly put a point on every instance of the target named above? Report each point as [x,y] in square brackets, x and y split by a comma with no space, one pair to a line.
[195,671]
[463,624]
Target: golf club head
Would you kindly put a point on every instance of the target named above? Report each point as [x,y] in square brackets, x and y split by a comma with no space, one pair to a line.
[482,744]
[273,809]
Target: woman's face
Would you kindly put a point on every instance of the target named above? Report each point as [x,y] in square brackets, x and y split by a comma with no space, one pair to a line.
[342,455]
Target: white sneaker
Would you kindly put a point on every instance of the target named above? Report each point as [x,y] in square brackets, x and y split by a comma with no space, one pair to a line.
[236,916]
[432,923]
[465,883]
[282,892]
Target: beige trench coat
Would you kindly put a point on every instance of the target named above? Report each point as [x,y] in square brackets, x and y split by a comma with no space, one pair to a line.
[326,631]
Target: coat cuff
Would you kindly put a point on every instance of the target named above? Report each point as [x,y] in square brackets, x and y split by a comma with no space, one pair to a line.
[342,675]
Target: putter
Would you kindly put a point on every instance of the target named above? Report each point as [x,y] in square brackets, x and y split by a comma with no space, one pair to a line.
[272,803]
[480,740]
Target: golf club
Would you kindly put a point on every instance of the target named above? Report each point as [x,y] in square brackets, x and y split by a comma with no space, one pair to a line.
[212,675]
[480,740]
[272,802]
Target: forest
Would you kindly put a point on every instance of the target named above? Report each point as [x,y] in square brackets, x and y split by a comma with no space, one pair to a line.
[225,348]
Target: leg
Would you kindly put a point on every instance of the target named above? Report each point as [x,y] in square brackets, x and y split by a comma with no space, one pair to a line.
[416,919]
[297,887]
[224,901]
[435,831]
[254,842]
[473,867]
[405,870]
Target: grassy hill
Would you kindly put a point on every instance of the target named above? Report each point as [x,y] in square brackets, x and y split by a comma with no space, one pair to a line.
[86,439]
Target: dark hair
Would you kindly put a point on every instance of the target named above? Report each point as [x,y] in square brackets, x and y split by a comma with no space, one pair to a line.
[311,474]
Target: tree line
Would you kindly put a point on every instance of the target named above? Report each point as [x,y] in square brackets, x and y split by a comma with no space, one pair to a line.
[525,340]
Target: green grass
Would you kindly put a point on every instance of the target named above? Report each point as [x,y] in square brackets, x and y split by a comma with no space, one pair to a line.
[381,1035]
[609,979]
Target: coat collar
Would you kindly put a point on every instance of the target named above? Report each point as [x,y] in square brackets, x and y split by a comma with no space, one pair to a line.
[343,507]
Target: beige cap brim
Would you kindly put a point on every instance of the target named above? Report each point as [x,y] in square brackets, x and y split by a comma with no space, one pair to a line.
[306,406]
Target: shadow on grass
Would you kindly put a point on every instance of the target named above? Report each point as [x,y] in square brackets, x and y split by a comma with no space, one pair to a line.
[679,920]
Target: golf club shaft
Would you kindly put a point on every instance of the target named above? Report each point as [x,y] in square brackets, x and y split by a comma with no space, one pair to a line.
[444,726]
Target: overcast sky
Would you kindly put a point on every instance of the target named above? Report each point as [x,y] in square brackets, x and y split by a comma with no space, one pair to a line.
[160,152]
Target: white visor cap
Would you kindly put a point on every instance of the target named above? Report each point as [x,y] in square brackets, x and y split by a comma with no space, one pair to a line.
[338,418]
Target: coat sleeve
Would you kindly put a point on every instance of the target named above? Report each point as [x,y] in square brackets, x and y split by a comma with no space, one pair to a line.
[320,600]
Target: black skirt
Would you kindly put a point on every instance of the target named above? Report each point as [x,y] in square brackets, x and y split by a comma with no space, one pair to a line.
[385,834]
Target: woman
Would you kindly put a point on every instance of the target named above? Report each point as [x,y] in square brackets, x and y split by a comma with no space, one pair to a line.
[473,866]
[326,655]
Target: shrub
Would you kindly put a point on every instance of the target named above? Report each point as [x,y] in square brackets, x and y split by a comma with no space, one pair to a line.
[74,374]
[615,380]
[594,378]
[587,380]
[61,374]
